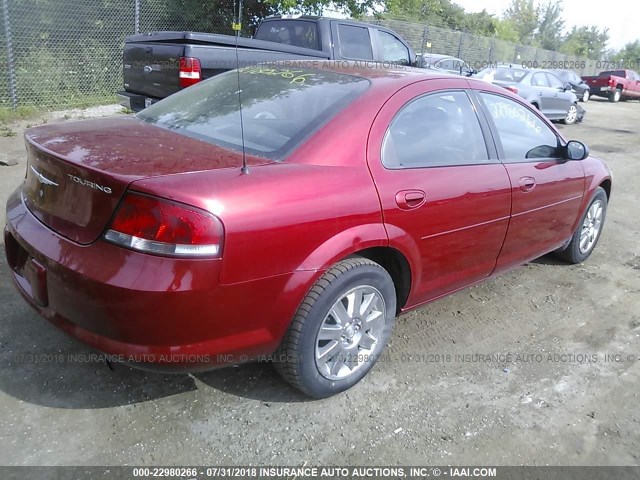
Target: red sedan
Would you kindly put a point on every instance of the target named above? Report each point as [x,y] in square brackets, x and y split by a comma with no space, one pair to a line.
[367,192]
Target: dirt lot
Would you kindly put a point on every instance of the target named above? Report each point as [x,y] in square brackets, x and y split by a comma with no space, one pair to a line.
[553,396]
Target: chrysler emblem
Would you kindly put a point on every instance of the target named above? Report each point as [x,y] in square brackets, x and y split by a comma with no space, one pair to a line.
[43,180]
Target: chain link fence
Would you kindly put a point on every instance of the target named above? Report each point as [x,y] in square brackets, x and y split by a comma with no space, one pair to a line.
[68,53]
[479,51]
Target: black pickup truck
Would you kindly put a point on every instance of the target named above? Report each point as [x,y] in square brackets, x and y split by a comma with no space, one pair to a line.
[157,64]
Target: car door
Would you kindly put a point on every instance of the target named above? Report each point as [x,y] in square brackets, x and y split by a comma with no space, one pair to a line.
[544,94]
[444,194]
[547,189]
[563,98]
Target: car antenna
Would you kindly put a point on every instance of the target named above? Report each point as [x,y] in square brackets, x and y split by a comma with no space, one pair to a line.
[237,25]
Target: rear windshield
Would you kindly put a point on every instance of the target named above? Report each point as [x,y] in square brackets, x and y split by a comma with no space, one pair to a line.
[300,33]
[280,108]
[615,73]
[502,74]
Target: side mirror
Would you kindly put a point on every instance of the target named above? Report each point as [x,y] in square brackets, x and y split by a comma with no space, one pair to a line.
[567,87]
[576,150]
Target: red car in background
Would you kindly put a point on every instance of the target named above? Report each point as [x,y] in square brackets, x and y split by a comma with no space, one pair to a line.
[615,85]
[367,192]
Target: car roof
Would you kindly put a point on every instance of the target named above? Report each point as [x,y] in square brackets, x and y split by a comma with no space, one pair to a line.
[437,56]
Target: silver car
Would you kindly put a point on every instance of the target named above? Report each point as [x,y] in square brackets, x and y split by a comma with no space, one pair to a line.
[444,63]
[541,88]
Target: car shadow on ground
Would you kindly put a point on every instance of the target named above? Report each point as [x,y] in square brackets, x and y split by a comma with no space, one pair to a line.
[40,364]
[549,259]
[256,381]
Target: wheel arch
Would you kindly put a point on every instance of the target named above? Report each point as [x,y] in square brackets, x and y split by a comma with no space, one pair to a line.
[396,265]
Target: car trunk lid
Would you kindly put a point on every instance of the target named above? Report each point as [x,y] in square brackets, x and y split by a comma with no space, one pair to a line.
[77,172]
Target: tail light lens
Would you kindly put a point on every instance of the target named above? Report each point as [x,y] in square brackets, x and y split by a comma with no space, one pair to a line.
[162,227]
[612,82]
[512,89]
[190,71]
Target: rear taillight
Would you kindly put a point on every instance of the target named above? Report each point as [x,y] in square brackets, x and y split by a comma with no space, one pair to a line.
[511,89]
[163,227]
[190,71]
[612,82]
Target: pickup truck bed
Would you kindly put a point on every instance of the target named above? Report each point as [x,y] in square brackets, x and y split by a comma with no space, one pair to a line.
[158,64]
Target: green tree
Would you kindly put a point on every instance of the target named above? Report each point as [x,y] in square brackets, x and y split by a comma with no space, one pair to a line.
[523,15]
[550,27]
[586,41]
[440,13]
[629,54]
[506,31]
[355,8]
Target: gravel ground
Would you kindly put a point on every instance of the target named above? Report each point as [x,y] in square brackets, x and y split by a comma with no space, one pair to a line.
[563,389]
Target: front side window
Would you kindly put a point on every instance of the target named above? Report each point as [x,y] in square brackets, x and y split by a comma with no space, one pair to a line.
[446,65]
[393,50]
[523,135]
[355,42]
[280,108]
[438,129]
[554,81]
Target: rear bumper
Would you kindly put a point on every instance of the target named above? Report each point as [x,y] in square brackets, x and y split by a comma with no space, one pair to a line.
[134,101]
[153,312]
[600,90]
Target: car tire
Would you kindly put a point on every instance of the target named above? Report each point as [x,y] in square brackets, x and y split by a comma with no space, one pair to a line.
[572,115]
[615,96]
[586,236]
[585,96]
[319,367]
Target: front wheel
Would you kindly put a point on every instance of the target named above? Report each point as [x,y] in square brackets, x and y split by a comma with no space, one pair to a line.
[340,329]
[586,95]
[572,115]
[588,232]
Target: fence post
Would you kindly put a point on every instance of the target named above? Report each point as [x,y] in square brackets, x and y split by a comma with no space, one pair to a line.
[11,64]
[425,34]
[491,46]
[460,44]
[137,17]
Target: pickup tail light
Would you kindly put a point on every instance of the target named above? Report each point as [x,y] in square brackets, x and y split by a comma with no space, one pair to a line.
[190,71]
[512,89]
[612,82]
[162,227]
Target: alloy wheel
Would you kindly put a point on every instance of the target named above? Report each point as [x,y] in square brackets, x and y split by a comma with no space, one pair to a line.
[350,333]
[591,226]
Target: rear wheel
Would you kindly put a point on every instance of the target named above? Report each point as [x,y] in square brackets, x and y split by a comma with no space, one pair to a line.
[588,232]
[615,96]
[340,329]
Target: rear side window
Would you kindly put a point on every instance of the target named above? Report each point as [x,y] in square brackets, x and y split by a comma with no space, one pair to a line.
[523,135]
[438,129]
[280,108]
[355,42]
[299,33]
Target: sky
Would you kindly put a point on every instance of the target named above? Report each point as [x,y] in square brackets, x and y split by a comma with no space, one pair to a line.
[622,21]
